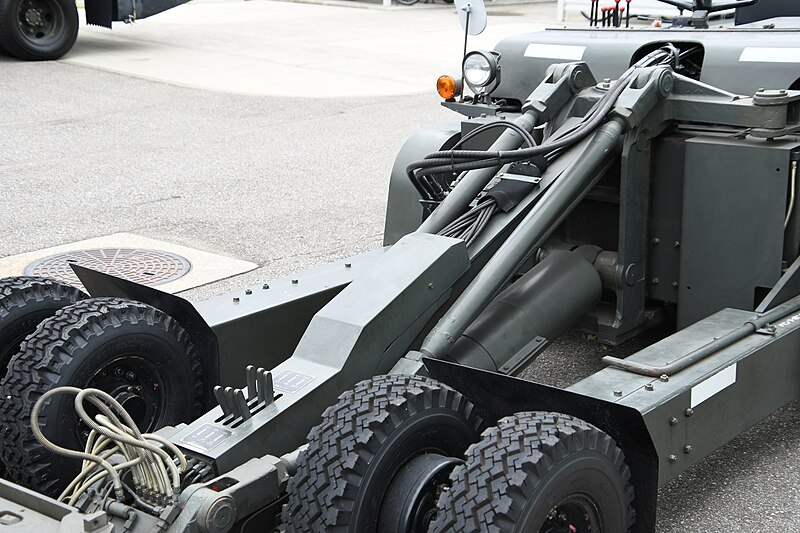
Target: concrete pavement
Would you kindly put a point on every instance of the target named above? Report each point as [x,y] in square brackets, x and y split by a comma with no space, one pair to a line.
[301,50]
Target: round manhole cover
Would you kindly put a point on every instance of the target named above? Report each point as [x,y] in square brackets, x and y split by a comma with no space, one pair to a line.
[147,267]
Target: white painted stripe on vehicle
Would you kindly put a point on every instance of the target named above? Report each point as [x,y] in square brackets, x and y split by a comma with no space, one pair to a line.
[555,51]
[755,54]
[716,383]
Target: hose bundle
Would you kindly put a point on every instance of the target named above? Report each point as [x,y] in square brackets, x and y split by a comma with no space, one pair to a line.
[155,464]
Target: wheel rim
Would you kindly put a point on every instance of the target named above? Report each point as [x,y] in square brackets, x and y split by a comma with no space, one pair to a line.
[577,513]
[137,385]
[410,501]
[41,22]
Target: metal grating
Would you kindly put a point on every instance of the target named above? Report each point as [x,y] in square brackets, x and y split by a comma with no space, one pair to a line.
[147,267]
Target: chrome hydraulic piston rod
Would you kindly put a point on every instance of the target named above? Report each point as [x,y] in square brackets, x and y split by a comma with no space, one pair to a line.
[554,205]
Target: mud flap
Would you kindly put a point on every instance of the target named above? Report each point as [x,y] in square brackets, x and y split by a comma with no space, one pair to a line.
[100,285]
[104,12]
[499,395]
[100,12]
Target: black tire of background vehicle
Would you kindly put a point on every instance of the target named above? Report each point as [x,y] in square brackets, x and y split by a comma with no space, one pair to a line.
[135,352]
[24,302]
[531,464]
[38,30]
[407,2]
[364,439]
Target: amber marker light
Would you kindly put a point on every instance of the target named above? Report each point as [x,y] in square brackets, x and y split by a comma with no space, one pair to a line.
[448,87]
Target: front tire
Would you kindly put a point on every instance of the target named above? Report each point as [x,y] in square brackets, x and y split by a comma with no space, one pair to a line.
[385,426]
[136,353]
[36,30]
[540,472]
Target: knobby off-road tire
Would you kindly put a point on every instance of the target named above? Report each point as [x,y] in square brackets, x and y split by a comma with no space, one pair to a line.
[36,30]
[24,302]
[363,441]
[531,464]
[133,351]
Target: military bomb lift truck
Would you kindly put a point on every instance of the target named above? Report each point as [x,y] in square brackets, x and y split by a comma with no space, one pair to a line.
[604,180]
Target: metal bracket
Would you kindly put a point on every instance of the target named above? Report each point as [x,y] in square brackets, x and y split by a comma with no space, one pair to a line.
[235,407]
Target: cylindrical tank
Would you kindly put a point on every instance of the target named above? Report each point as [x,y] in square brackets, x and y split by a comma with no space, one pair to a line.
[545,302]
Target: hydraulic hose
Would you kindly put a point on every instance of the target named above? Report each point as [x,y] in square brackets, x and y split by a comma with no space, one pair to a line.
[474,181]
[37,432]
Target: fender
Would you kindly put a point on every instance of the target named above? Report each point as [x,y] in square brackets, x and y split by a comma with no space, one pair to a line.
[500,395]
[100,285]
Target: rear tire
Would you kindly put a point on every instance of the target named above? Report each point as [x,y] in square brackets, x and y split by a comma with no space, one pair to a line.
[36,30]
[540,472]
[364,441]
[136,353]
[24,302]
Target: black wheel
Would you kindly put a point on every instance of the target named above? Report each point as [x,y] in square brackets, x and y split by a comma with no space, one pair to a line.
[37,30]
[391,439]
[136,353]
[407,2]
[24,302]
[540,472]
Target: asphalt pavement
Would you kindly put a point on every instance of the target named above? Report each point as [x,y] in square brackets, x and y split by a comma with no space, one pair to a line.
[266,131]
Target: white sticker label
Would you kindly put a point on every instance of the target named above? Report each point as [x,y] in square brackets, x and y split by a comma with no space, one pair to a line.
[708,388]
[555,51]
[754,54]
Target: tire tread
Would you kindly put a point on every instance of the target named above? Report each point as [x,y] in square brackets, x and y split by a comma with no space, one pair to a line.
[323,491]
[491,489]
[38,367]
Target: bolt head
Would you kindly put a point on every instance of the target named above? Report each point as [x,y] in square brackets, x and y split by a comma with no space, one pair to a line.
[248,291]
[654,281]
[673,458]
[348,265]
[617,392]
[663,378]
[236,299]
[649,386]
[689,411]
[266,286]
[295,281]
[675,285]
[687,448]
[673,421]
[676,244]
[656,241]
